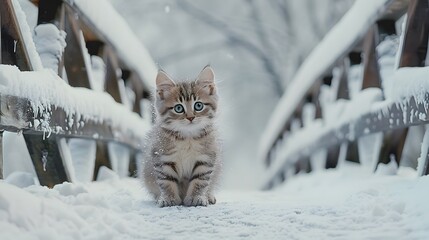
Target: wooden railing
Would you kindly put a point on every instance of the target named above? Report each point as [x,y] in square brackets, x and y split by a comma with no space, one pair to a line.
[92,45]
[322,120]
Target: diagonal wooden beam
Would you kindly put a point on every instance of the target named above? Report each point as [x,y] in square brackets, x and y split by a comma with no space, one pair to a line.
[112,78]
[415,42]
[74,59]
[371,72]
[13,50]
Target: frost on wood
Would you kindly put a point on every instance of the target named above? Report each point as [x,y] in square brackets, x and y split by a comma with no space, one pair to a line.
[45,89]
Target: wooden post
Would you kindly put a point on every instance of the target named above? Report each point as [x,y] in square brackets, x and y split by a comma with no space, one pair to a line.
[371,73]
[101,158]
[13,50]
[1,34]
[112,66]
[74,60]
[413,54]
[47,161]
[1,154]
[132,168]
[414,48]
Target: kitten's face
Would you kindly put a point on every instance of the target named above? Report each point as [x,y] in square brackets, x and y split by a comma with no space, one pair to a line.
[186,107]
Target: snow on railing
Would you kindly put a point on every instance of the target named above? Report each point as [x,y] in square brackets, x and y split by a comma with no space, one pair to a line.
[375,102]
[123,40]
[95,86]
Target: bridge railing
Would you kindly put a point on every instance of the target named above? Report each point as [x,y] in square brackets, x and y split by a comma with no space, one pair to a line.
[362,95]
[80,74]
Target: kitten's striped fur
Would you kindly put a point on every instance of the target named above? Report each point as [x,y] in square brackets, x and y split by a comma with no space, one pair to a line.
[182,162]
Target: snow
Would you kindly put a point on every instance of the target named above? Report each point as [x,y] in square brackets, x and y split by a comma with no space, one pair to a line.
[345,203]
[119,158]
[50,43]
[369,150]
[44,88]
[35,62]
[387,169]
[407,82]
[350,29]
[348,203]
[123,39]
[16,161]
[82,153]
[336,114]
[423,153]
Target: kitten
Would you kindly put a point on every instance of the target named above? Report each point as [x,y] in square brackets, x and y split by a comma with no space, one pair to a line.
[182,162]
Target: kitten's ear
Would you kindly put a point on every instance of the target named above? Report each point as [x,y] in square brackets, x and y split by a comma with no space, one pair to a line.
[207,77]
[163,83]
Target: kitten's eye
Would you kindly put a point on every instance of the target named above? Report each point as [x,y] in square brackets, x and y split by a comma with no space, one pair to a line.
[179,108]
[198,106]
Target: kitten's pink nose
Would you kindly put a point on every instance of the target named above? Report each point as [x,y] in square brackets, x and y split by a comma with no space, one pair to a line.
[190,118]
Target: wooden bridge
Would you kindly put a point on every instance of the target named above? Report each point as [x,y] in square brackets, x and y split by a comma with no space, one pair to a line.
[360,96]
[97,88]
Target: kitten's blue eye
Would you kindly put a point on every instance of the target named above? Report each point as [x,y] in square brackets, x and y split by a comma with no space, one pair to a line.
[179,108]
[198,106]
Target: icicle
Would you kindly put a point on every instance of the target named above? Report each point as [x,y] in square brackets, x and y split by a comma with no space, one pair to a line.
[44,158]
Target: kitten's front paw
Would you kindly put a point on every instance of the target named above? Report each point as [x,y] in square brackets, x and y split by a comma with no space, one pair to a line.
[196,201]
[167,202]
[212,199]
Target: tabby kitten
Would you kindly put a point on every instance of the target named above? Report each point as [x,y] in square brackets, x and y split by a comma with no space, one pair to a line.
[182,160]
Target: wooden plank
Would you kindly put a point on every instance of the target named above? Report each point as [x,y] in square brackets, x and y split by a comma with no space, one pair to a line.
[132,168]
[16,114]
[101,158]
[13,50]
[352,152]
[1,34]
[316,101]
[415,43]
[74,60]
[47,160]
[371,73]
[332,157]
[1,154]
[393,145]
[112,67]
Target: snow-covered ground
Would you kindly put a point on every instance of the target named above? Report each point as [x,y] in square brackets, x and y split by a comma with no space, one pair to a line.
[349,203]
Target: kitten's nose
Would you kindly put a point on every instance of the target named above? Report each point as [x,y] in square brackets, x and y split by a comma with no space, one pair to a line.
[190,118]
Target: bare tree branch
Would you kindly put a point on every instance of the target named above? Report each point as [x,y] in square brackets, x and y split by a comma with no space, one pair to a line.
[235,39]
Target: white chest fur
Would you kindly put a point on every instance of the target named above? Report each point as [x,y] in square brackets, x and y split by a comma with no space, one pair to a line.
[186,153]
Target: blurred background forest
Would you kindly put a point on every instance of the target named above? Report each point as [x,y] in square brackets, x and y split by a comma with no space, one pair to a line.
[255,47]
